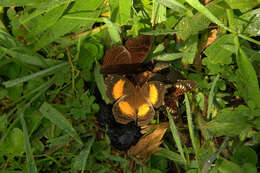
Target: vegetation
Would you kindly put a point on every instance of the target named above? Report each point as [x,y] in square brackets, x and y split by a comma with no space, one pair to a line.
[50,83]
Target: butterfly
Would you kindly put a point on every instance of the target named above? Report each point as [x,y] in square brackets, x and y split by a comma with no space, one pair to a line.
[128,58]
[134,103]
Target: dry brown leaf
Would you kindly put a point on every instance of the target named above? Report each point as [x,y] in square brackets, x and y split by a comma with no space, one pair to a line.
[207,1]
[211,38]
[149,143]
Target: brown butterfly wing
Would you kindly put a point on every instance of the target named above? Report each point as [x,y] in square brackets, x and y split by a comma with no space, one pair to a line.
[124,110]
[154,91]
[118,86]
[117,55]
[139,47]
[144,109]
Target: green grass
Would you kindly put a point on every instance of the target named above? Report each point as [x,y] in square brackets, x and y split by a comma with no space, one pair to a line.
[50,56]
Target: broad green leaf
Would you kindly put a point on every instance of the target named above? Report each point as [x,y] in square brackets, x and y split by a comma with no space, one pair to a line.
[245,154]
[250,90]
[190,50]
[124,10]
[217,53]
[248,4]
[13,144]
[39,24]
[114,32]
[250,22]
[58,119]
[230,122]
[226,166]
[81,159]
[65,25]
[159,13]
[249,167]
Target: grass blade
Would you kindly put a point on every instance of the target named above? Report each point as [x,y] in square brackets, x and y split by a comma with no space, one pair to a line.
[42,73]
[57,118]
[191,128]
[211,96]
[169,56]
[165,153]
[210,161]
[82,158]
[176,136]
[31,166]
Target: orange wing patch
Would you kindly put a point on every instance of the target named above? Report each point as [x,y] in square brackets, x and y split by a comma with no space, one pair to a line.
[153,94]
[126,108]
[118,89]
[143,110]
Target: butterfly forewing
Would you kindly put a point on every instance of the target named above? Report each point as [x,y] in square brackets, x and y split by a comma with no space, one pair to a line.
[139,47]
[117,55]
[118,86]
[154,91]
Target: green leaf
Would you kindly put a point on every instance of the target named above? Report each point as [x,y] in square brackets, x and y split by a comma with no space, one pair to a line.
[30,164]
[250,90]
[191,50]
[211,96]
[203,10]
[194,142]
[173,4]
[226,166]
[176,136]
[159,13]
[101,83]
[217,53]
[42,73]
[42,22]
[241,4]
[192,25]
[13,144]
[114,32]
[165,153]
[160,32]
[81,159]
[230,122]
[124,10]
[245,154]
[58,119]
[65,25]
[169,56]
[249,22]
